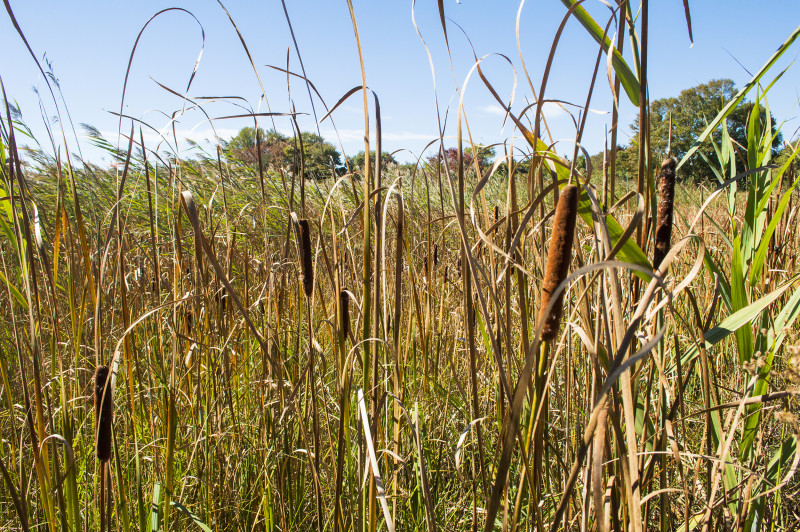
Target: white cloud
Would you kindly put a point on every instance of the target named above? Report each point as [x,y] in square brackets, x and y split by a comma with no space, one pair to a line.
[494,109]
[552,111]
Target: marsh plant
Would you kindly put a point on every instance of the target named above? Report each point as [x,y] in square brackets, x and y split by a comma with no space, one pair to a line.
[462,346]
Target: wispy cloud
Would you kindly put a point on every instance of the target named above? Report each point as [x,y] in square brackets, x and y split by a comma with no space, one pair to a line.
[550,110]
[494,109]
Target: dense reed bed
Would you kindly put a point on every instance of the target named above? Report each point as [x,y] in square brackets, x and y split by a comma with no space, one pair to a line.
[203,344]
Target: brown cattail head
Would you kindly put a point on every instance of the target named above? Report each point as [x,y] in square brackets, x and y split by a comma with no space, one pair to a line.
[344,302]
[559,255]
[666,199]
[103,413]
[306,258]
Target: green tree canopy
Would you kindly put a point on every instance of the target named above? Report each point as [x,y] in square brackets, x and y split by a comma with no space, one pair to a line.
[485,156]
[242,147]
[319,156]
[280,151]
[691,112]
[356,162]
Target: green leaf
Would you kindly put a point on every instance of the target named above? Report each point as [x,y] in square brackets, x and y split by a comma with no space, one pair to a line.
[626,76]
[155,510]
[731,105]
[630,251]
[784,321]
[15,292]
[739,298]
[743,316]
[191,516]
[761,254]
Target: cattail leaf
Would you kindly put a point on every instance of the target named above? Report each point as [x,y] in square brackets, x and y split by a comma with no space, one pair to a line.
[778,463]
[188,513]
[737,99]
[743,316]
[626,76]
[761,253]
[373,462]
[14,292]
[740,300]
[155,509]
[629,251]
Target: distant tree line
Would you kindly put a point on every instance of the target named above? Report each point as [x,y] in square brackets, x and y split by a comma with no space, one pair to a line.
[689,113]
[320,158]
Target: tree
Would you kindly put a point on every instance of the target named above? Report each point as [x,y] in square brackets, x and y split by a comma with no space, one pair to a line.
[691,112]
[242,147]
[356,162]
[280,151]
[485,156]
[450,157]
[318,155]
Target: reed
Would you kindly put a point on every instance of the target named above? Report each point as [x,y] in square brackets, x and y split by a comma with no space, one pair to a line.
[388,370]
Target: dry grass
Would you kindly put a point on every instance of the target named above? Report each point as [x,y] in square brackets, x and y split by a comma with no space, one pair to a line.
[254,391]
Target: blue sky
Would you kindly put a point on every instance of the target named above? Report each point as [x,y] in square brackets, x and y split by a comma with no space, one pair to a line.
[88,44]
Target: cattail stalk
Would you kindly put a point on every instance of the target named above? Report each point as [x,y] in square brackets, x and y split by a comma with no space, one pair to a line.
[103,413]
[559,255]
[666,199]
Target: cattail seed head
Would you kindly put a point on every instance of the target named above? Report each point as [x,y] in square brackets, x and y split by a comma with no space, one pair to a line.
[559,255]
[344,302]
[306,258]
[103,413]
[666,199]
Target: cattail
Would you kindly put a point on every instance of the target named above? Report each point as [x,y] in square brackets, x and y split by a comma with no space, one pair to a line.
[306,259]
[559,255]
[103,413]
[344,302]
[666,198]
[435,255]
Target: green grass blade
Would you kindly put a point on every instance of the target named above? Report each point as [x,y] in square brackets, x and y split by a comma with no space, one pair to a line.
[188,513]
[155,510]
[740,95]
[743,316]
[626,76]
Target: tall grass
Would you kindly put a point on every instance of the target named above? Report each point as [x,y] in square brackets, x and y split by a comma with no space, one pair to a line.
[410,348]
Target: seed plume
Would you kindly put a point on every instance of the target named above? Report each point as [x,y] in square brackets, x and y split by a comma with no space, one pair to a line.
[306,258]
[559,255]
[666,198]
[103,413]
[344,301]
